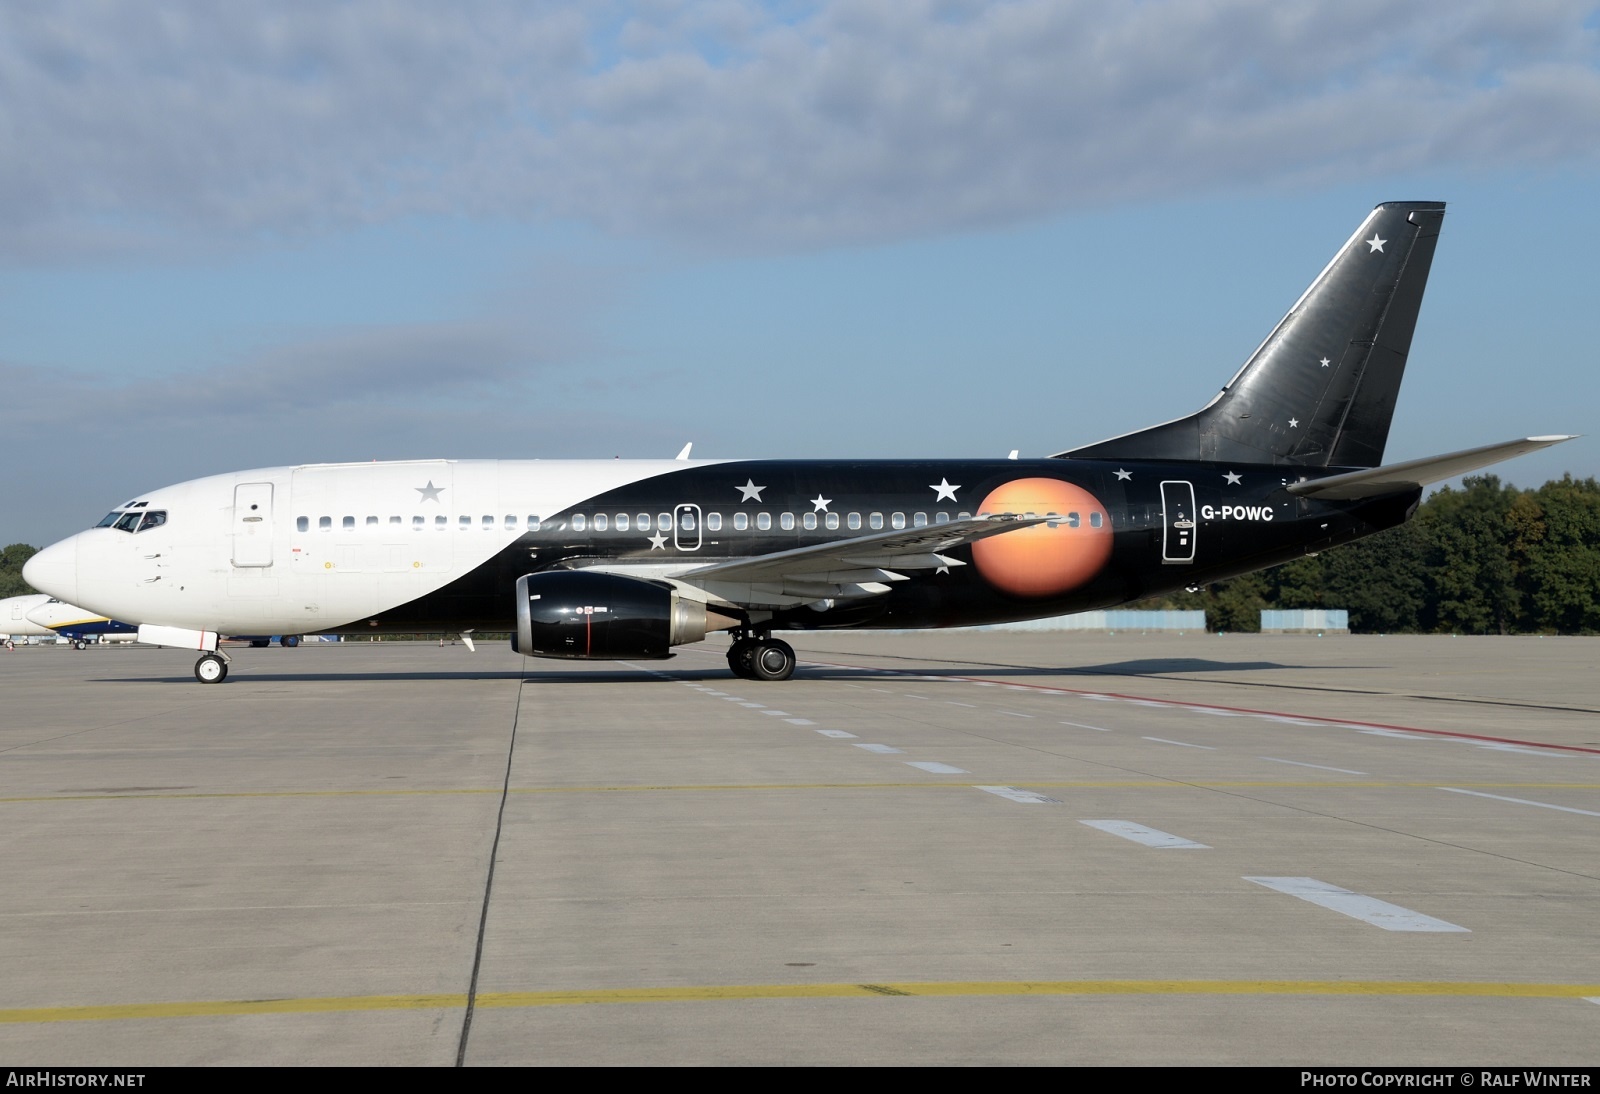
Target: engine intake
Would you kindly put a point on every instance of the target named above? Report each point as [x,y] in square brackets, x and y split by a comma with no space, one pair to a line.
[588,615]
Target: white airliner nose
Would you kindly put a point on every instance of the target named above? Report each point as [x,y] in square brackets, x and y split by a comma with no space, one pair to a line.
[54,570]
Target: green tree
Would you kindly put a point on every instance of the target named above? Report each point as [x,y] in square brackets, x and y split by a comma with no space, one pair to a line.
[11,560]
[1563,564]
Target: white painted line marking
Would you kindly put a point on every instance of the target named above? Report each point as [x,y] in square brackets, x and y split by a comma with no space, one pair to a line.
[1048,691]
[1185,744]
[1014,714]
[953,703]
[1080,725]
[1017,794]
[1378,913]
[1319,767]
[981,683]
[1015,687]
[937,768]
[1138,833]
[718,693]
[882,749]
[753,706]
[881,691]
[800,721]
[839,733]
[777,713]
[1395,733]
[1220,713]
[1102,698]
[1513,748]
[1145,703]
[908,695]
[1591,998]
[1520,801]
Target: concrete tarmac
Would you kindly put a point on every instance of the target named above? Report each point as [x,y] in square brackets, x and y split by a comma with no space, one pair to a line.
[947,848]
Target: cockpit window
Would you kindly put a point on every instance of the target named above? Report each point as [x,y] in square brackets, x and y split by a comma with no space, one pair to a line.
[110,519]
[155,518]
[127,522]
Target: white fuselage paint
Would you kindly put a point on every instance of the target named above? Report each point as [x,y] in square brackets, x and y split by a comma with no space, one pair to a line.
[218,565]
[14,621]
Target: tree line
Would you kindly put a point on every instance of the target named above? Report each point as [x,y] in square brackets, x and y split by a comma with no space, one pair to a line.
[1487,558]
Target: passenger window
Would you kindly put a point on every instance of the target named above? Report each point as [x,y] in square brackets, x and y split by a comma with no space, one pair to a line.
[786,522]
[622,522]
[644,522]
[440,522]
[1097,520]
[602,522]
[302,524]
[875,521]
[325,524]
[854,522]
[396,520]
[1073,520]
[897,521]
[663,522]
[579,522]
[963,516]
[348,524]
[763,521]
[488,523]
[466,522]
[714,522]
[831,521]
[741,521]
[941,518]
[687,520]
[371,521]
[810,521]
[919,521]
[533,523]
[417,523]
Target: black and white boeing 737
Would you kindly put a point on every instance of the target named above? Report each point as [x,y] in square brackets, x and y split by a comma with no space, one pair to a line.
[627,559]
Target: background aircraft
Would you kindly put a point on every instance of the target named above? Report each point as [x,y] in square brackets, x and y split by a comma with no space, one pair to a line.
[626,559]
[14,621]
[78,624]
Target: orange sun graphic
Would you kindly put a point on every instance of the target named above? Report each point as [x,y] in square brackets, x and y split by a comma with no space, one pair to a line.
[1041,560]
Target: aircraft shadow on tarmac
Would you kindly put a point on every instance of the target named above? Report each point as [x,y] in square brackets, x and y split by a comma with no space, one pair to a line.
[806,671]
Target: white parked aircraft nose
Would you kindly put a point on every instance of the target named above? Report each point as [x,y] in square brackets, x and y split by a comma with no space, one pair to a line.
[54,570]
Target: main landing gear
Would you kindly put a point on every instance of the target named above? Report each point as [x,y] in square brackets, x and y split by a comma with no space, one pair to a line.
[761,658]
[212,668]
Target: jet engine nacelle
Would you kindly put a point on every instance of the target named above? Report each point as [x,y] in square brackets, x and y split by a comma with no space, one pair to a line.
[583,614]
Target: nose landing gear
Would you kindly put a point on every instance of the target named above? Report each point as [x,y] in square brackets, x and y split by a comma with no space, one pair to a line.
[212,668]
[761,658]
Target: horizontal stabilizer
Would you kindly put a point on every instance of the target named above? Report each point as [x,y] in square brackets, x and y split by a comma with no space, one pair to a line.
[1396,477]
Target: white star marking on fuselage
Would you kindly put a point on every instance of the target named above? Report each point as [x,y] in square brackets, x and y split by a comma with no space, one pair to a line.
[1325,362]
[429,492]
[943,490]
[821,504]
[1124,476]
[1375,243]
[750,490]
[1232,477]
[658,542]
[1294,423]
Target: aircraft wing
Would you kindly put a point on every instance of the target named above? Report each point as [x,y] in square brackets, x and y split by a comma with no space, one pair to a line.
[845,568]
[1394,477]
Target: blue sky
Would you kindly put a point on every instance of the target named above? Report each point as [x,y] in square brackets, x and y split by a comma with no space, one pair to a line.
[250,235]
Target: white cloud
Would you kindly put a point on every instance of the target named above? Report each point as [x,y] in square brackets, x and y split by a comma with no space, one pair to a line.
[727,125]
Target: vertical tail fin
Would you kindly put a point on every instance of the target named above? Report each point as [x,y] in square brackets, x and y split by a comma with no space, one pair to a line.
[1320,391]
